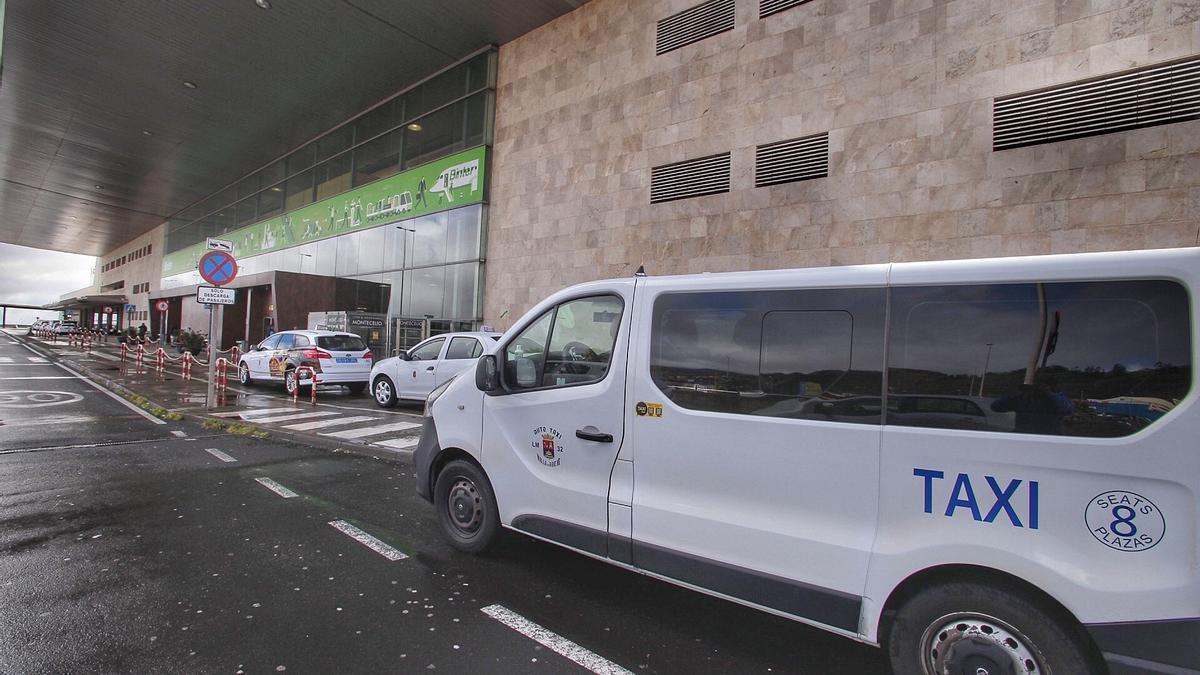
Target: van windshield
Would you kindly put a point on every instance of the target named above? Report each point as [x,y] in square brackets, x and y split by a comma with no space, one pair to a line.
[347,343]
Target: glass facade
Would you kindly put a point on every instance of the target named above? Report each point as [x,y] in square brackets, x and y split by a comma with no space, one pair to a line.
[433,262]
[441,116]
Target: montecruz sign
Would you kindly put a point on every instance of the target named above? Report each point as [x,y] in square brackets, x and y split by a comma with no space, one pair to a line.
[447,183]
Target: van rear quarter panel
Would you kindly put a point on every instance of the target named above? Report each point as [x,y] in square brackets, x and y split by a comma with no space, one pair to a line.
[1041,533]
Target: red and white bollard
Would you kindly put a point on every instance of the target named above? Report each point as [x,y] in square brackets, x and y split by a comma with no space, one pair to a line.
[141,356]
[160,360]
[299,375]
[222,376]
[186,370]
[124,352]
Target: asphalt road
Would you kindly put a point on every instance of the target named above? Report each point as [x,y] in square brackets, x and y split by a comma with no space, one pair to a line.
[127,545]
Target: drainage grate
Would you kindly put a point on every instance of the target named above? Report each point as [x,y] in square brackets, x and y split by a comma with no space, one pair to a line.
[693,25]
[789,161]
[769,7]
[690,178]
[1132,99]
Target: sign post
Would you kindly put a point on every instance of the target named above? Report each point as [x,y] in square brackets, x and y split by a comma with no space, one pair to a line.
[162,306]
[218,268]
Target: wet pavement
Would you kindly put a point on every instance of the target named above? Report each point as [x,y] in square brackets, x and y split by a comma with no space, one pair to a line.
[129,545]
[338,418]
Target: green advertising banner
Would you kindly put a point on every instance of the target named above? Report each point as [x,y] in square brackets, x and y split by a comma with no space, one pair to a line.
[441,185]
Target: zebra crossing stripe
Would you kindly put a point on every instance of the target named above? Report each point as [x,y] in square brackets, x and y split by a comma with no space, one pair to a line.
[373,431]
[309,426]
[285,418]
[399,443]
[255,412]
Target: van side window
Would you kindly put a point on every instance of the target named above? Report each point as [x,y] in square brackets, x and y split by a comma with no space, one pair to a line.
[570,344]
[798,354]
[525,356]
[1098,359]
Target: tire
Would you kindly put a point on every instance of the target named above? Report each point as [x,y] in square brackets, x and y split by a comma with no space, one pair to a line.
[961,627]
[386,398]
[357,387]
[244,374]
[466,507]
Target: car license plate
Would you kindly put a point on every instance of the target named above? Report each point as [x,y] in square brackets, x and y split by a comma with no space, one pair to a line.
[346,359]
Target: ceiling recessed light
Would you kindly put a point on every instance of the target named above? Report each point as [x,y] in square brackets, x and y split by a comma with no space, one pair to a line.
[99,187]
[413,126]
[147,132]
[264,4]
[189,84]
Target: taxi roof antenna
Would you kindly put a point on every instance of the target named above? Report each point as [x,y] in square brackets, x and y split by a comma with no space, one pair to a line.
[641,271]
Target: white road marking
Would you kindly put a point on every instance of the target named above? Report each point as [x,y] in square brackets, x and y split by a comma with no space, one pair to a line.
[43,377]
[276,488]
[255,412]
[226,458]
[399,443]
[114,397]
[367,540]
[555,643]
[180,434]
[5,359]
[284,418]
[47,421]
[373,431]
[36,359]
[309,426]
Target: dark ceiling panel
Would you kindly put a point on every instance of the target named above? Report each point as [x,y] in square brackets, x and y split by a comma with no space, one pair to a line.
[92,94]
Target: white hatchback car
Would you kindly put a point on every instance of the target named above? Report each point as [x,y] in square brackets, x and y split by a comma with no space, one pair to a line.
[415,373]
[337,358]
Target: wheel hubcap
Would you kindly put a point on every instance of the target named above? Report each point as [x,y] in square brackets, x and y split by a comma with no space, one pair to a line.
[383,393]
[465,506]
[244,373]
[976,644]
[291,381]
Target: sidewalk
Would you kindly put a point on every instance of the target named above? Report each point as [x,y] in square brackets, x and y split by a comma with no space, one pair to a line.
[339,421]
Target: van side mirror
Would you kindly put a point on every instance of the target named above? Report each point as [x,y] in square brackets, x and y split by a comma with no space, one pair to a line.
[487,375]
[402,354]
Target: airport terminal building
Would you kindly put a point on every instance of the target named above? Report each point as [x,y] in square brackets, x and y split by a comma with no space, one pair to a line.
[714,136]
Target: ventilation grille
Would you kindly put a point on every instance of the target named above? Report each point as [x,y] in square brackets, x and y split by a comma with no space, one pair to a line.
[789,161]
[691,178]
[693,25]
[769,7]
[1133,99]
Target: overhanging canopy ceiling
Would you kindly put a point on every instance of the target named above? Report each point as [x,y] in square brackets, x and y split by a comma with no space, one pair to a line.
[100,141]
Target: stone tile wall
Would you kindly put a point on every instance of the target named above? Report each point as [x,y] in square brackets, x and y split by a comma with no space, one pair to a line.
[904,88]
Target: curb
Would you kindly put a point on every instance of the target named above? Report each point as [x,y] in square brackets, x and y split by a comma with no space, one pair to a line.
[297,438]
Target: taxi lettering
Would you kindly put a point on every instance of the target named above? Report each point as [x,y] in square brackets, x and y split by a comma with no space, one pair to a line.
[997,499]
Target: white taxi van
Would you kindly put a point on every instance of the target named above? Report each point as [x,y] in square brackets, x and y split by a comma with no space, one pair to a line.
[985,466]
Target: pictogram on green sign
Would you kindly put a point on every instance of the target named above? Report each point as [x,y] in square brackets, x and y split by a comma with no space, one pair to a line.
[441,185]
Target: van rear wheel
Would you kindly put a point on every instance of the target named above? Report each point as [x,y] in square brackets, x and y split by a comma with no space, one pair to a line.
[466,507]
[964,628]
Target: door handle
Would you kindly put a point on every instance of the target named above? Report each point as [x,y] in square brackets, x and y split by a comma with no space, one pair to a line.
[429,368]
[590,433]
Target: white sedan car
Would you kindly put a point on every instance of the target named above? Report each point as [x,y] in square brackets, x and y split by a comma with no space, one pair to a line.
[412,375]
[337,358]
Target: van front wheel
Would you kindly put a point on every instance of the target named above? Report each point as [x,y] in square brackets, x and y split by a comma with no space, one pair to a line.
[964,628]
[466,507]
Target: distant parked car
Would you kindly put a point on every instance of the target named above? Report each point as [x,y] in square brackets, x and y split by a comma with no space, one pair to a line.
[36,326]
[415,373]
[66,327]
[337,358]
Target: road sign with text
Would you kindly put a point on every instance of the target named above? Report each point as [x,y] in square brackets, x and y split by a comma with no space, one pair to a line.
[210,295]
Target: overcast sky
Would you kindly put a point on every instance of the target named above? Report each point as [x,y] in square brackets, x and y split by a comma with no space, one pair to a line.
[32,276]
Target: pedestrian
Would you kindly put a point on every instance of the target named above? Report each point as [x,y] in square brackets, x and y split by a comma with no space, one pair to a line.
[142,331]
